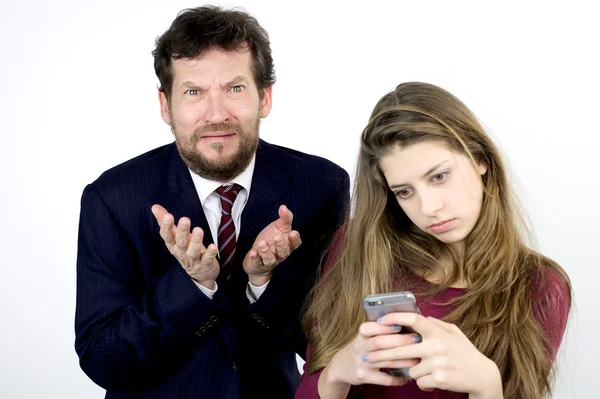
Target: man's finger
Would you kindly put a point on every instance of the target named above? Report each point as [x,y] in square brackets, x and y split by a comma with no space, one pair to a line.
[182,235]
[295,240]
[195,248]
[253,261]
[267,256]
[282,249]
[209,255]
[167,230]
[159,212]
[284,223]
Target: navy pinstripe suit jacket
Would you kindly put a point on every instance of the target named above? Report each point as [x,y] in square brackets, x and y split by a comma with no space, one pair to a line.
[144,330]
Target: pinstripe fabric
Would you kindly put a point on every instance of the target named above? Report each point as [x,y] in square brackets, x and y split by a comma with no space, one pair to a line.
[144,330]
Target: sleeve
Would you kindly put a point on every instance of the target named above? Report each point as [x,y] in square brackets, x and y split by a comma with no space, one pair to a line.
[125,327]
[553,303]
[207,291]
[309,383]
[254,292]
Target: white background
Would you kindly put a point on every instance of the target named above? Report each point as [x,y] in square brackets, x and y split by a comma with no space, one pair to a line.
[78,95]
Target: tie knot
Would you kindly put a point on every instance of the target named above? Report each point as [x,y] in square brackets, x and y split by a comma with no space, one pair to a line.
[228,194]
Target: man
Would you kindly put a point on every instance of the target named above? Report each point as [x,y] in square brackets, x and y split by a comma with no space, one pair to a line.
[190,278]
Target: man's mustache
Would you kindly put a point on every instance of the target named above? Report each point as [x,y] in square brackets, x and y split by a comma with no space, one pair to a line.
[216,127]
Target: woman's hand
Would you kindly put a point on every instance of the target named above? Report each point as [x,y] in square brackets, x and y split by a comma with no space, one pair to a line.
[449,360]
[352,365]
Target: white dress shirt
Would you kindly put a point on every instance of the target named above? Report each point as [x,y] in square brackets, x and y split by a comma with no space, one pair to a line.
[211,204]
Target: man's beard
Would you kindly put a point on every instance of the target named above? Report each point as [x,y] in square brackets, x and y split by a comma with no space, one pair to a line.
[221,170]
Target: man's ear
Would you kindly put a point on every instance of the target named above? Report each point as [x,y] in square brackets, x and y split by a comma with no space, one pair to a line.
[164,107]
[266,102]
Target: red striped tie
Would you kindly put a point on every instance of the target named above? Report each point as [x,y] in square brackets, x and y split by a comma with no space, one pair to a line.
[226,234]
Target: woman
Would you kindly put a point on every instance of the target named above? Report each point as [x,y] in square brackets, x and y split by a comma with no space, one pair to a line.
[434,215]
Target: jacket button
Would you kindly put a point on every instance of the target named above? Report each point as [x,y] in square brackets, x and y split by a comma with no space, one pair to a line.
[202,330]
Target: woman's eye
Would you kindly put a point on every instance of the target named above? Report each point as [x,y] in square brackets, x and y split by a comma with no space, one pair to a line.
[404,193]
[440,177]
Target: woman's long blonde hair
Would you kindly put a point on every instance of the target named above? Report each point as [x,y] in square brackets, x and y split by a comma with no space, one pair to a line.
[380,246]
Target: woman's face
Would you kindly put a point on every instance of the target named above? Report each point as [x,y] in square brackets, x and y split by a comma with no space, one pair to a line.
[439,190]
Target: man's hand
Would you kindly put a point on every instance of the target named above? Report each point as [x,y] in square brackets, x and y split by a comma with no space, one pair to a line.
[199,262]
[272,245]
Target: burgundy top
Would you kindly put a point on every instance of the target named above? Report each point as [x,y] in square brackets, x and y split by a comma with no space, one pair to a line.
[553,289]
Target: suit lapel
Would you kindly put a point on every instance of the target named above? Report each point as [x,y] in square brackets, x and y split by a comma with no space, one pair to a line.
[270,186]
[176,192]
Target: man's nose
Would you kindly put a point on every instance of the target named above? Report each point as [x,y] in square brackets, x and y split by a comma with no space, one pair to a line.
[216,109]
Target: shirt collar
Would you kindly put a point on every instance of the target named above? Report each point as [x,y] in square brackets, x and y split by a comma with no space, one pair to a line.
[206,187]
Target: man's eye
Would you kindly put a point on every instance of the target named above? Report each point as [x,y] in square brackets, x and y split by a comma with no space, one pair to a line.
[237,89]
[192,92]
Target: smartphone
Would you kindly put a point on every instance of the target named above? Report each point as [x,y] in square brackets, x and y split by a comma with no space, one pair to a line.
[379,305]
